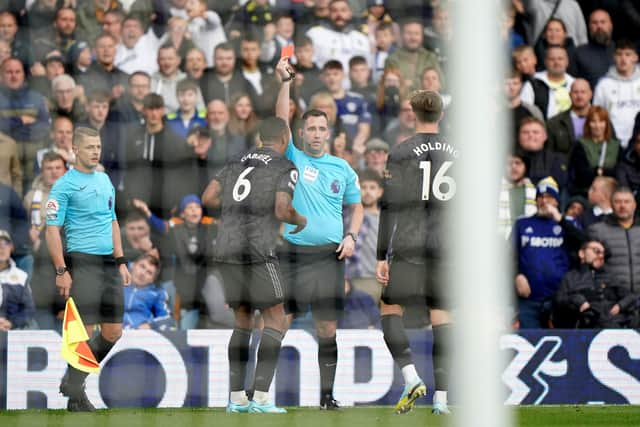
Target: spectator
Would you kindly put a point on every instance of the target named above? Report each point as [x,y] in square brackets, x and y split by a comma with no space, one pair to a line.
[16,304]
[137,50]
[373,17]
[275,38]
[205,27]
[542,244]
[439,35]
[48,304]
[225,145]
[265,85]
[591,297]
[112,24]
[243,121]
[10,167]
[191,244]
[103,73]
[352,107]
[79,58]
[165,80]
[14,219]
[360,268]
[20,48]
[412,57]
[549,89]
[41,80]
[597,153]
[599,196]
[532,138]
[619,90]
[188,115]
[307,79]
[403,127]
[24,116]
[66,100]
[145,304]
[137,238]
[621,235]
[194,63]
[554,34]
[360,80]
[223,81]
[375,156]
[517,194]
[385,45]
[178,36]
[517,109]
[360,309]
[128,109]
[391,89]
[628,171]
[566,128]
[341,33]
[61,137]
[90,16]
[592,60]
[525,61]
[59,36]
[569,11]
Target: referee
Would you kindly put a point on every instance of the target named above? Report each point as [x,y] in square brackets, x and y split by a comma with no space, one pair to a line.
[313,260]
[91,267]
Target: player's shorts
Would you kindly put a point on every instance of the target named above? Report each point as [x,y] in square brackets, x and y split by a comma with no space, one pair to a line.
[257,286]
[315,280]
[96,287]
[411,282]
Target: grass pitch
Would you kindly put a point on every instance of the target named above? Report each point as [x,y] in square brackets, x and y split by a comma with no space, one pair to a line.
[544,416]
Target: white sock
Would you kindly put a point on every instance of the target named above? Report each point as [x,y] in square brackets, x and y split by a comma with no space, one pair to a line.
[261,397]
[440,396]
[239,397]
[410,374]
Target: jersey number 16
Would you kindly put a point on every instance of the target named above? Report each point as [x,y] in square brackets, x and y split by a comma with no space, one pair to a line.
[438,180]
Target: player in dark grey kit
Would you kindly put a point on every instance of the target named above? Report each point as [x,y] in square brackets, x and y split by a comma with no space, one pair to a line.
[418,185]
[255,193]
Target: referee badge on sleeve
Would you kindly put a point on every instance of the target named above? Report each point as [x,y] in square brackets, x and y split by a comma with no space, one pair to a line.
[52,209]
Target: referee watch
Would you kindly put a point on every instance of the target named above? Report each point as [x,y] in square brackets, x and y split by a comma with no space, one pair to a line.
[61,270]
[353,236]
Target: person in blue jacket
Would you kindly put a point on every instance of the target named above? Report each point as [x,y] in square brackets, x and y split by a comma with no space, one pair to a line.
[543,245]
[145,305]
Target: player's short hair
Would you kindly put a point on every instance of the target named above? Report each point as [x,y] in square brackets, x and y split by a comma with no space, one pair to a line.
[98,96]
[370,175]
[82,133]
[314,113]
[272,130]
[357,60]
[186,84]
[332,65]
[52,156]
[427,105]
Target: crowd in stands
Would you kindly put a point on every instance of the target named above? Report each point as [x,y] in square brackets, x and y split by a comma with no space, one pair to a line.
[177,87]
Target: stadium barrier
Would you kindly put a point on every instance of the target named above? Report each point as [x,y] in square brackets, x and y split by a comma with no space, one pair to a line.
[176,369]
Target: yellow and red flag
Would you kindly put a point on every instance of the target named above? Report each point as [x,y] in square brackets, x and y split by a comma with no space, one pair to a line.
[75,349]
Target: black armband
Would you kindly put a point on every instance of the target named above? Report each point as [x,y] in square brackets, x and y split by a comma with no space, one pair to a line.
[121,260]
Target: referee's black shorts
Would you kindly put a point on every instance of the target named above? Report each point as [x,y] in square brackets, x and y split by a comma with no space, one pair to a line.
[315,280]
[96,287]
[257,286]
[410,282]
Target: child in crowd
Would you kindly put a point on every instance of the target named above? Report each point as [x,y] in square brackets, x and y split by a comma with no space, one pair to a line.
[187,116]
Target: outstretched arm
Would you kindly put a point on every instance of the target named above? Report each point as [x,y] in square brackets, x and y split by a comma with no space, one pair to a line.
[285,74]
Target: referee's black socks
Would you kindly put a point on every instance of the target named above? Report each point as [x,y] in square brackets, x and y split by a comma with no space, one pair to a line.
[100,347]
[442,354]
[238,352]
[327,359]
[268,353]
[396,339]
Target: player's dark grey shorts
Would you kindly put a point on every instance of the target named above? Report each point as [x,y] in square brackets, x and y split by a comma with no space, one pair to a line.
[96,287]
[255,285]
[315,280]
[411,282]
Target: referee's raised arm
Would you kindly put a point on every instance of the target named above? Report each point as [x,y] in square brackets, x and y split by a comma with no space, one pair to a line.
[286,75]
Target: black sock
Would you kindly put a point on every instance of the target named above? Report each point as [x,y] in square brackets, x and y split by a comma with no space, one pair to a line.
[396,339]
[75,377]
[238,357]
[268,353]
[100,347]
[327,359]
[441,354]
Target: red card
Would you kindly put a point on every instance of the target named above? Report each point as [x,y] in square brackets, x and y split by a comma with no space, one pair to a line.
[287,51]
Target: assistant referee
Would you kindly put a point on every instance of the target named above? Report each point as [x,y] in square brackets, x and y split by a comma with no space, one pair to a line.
[90,267]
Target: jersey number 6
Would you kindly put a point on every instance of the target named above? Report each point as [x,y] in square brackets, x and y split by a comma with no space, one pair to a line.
[438,180]
[242,187]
